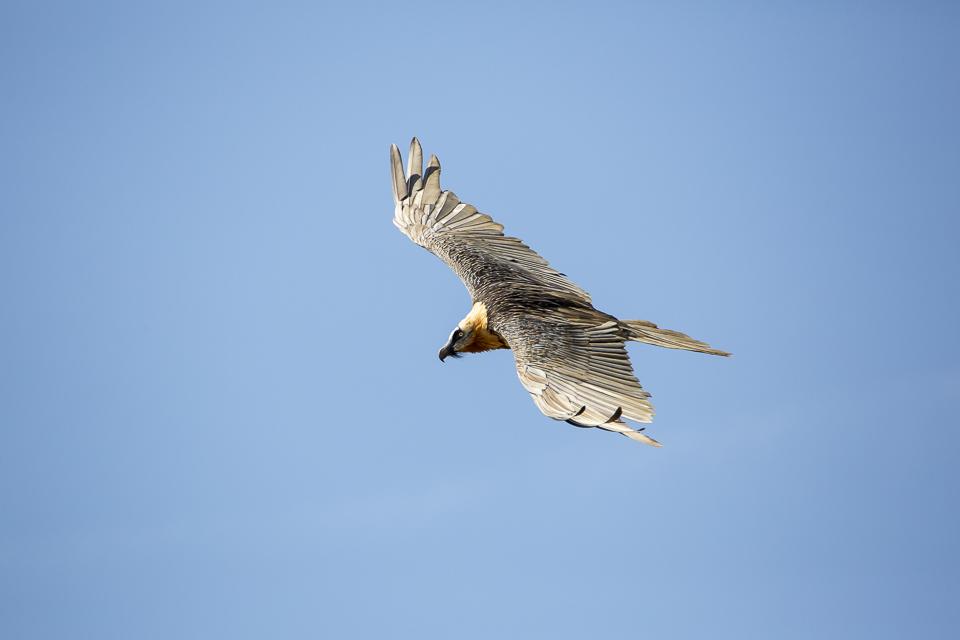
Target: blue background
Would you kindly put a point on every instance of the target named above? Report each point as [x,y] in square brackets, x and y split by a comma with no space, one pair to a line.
[221,410]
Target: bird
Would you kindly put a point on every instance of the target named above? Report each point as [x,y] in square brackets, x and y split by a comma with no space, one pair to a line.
[569,356]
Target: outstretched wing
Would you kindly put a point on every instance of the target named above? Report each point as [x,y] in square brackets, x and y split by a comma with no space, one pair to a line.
[470,242]
[582,374]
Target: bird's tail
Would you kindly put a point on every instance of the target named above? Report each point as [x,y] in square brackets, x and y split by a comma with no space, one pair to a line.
[643,331]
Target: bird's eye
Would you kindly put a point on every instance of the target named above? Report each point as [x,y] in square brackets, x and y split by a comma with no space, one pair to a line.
[458,334]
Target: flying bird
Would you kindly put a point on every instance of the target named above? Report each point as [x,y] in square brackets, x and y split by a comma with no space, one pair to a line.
[570,357]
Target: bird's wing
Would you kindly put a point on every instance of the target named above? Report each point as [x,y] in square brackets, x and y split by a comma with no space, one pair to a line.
[582,374]
[470,242]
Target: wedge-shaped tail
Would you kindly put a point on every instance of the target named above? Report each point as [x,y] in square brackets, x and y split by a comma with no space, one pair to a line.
[643,331]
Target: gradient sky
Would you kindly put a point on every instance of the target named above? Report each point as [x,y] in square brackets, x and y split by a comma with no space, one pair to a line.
[221,409]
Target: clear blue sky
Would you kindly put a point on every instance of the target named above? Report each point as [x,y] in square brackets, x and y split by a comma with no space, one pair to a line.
[221,409]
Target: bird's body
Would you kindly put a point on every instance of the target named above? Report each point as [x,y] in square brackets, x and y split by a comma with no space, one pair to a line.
[570,356]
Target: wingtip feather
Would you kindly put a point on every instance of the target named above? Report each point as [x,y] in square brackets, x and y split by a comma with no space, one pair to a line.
[431,181]
[639,436]
[415,159]
[396,174]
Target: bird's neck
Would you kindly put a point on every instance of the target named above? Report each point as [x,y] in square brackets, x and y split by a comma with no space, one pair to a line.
[484,339]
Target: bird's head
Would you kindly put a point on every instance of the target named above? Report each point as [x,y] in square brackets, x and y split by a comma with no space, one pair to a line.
[472,335]
[457,343]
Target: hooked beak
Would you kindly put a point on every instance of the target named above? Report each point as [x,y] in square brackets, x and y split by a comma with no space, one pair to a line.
[446,351]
